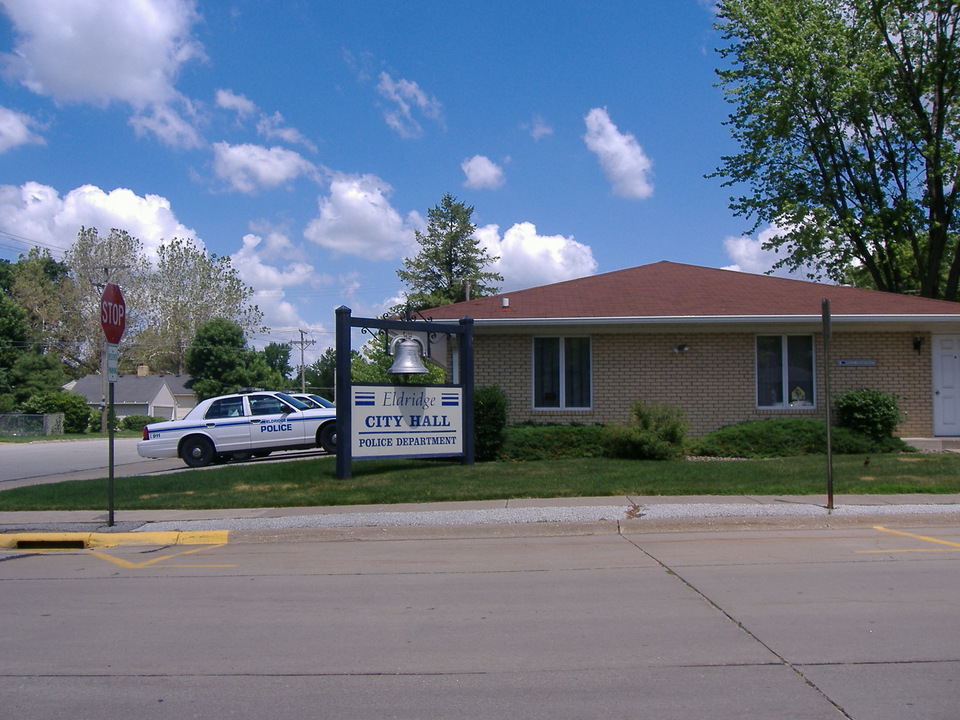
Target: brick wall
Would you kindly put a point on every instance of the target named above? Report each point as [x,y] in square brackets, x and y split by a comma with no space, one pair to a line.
[713,381]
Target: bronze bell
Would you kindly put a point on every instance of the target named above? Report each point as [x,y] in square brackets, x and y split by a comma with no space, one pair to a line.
[407,354]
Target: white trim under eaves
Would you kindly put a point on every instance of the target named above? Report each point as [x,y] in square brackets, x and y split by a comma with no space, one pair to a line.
[912,321]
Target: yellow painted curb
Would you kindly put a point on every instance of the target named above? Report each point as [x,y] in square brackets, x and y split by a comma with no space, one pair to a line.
[102,540]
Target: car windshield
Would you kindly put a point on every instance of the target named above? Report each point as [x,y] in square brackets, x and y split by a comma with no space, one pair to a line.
[298,404]
[321,401]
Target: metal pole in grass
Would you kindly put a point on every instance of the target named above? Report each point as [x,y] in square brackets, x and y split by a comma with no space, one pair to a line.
[825,312]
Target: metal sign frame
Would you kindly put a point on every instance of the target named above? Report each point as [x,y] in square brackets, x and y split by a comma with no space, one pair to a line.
[344,387]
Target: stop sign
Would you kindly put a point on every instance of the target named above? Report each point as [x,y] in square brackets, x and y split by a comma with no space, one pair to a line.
[113,313]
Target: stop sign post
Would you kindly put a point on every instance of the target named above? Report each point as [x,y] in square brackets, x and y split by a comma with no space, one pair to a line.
[113,320]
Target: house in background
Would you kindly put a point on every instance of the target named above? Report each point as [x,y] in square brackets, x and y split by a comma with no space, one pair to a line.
[724,346]
[164,396]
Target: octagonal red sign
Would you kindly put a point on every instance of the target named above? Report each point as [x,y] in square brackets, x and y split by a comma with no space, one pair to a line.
[113,313]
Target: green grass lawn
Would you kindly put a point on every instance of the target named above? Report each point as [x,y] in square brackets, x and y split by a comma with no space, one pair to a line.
[313,482]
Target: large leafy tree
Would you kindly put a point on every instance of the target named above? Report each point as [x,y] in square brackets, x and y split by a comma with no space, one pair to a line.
[451,265]
[847,115]
[187,288]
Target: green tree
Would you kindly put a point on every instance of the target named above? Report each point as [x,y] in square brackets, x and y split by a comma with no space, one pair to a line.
[13,336]
[27,307]
[277,356]
[320,375]
[220,362]
[450,266]
[13,333]
[35,372]
[45,292]
[847,114]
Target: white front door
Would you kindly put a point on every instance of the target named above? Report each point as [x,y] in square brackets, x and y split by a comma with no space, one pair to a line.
[946,385]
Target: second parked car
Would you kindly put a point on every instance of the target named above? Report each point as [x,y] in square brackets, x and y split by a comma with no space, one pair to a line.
[239,426]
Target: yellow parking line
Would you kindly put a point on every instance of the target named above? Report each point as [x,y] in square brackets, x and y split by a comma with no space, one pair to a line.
[951,546]
[153,561]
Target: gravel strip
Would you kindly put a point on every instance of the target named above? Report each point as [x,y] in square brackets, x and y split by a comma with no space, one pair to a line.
[583,514]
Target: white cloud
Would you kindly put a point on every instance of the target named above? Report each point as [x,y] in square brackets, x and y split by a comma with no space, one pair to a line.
[538,128]
[748,255]
[406,97]
[98,52]
[38,213]
[248,168]
[256,266]
[168,125]
[274,127]
[528,259]
[482,173]
[356,218]
[622,159]
[229,100]
[17,129]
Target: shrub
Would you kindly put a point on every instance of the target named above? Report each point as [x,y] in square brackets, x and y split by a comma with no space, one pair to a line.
[550,442]
[76,414]
[490,405]
[136,422]
[786,437]
[631,443]
[871,412]
[657,431]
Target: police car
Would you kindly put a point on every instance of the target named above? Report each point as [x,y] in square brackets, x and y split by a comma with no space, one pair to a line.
[239,426]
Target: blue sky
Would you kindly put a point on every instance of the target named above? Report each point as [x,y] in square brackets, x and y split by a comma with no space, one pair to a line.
[307,140]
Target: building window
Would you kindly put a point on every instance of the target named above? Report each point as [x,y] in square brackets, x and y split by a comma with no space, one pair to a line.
[785,376]
[561,373]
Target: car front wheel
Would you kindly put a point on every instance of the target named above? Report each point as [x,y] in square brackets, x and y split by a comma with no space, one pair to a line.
[327,438]
[197,451]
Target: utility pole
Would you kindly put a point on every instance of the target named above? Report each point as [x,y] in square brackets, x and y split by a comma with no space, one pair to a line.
[303,344]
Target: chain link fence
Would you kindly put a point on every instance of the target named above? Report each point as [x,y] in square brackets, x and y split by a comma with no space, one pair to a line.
[19,425]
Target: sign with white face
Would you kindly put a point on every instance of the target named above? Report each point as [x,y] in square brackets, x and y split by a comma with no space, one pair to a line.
[407,421]
[113,356]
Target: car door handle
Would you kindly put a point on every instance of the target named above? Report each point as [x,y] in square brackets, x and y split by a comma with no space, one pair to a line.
[255,420]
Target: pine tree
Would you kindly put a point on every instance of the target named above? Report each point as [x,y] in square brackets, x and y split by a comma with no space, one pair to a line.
[451,265]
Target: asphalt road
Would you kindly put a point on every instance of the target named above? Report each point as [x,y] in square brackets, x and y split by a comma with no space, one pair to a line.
[856,623]
[44,461]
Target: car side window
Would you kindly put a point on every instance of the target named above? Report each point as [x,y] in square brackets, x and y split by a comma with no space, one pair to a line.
[266,405]
[224,408]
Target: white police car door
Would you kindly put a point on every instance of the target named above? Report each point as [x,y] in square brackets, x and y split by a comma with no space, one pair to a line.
[273,423]
[226,422]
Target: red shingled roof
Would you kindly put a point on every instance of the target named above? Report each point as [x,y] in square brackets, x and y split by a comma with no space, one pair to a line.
[668,289]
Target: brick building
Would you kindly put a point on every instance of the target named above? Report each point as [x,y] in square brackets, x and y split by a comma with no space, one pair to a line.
[724,346]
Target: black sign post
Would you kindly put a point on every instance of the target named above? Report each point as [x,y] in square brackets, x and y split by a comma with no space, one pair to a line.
[825,312]
[113,320]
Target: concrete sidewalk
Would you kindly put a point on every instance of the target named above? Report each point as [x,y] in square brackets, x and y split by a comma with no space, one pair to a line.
[535,515]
